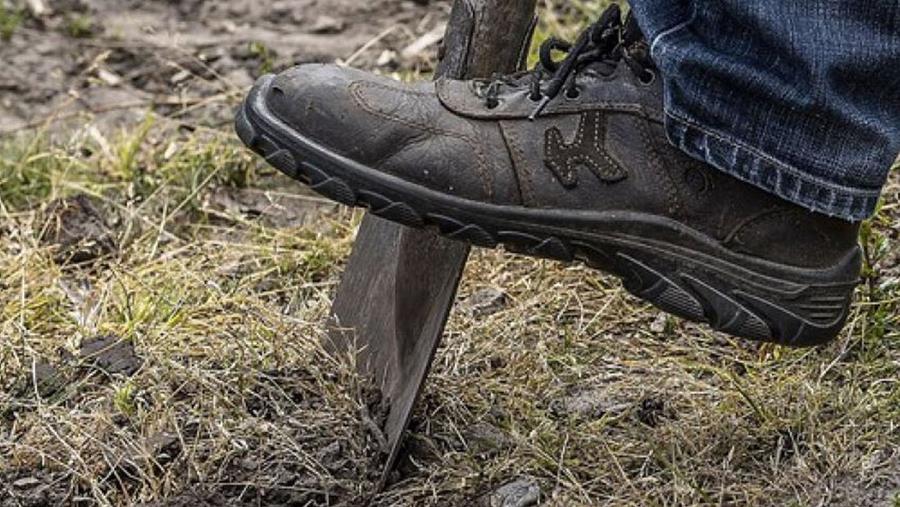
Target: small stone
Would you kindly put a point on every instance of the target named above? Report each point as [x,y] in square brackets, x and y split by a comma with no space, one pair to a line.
[523,492]
[327,24]
[180,77]
[387,57]
[108,77]
[659,323]
[423,43]
[26,482]
[487,301]
[228,26]
[37,8]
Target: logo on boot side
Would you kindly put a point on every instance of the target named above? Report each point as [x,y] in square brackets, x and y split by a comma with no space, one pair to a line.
[565,160]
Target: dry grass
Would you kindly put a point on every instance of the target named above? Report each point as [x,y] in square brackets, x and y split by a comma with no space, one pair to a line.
[568,380]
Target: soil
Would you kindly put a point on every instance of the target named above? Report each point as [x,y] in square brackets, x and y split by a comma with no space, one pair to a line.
[188,59]
[101,65]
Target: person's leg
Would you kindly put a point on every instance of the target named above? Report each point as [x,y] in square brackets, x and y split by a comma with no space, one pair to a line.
[801,98]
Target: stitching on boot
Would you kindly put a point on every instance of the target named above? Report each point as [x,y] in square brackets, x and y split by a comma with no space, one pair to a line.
[481,166]
[585,151]
[390,88]
[462,107]
[418,138]
[761,218]
[656,160]
[520,166]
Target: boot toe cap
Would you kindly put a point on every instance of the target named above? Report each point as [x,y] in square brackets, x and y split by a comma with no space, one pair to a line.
[316,101]
[392,127]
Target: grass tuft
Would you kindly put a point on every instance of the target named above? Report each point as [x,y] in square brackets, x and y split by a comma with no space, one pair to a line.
[10,20]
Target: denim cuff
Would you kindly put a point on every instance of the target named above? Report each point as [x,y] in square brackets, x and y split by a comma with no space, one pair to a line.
[752,166]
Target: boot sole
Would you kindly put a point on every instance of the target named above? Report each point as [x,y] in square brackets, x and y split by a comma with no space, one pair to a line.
[680,270]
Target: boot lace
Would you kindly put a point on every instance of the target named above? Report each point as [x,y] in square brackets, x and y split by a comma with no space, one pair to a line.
[602,46]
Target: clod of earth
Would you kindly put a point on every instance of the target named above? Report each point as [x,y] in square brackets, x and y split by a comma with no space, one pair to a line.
[37,488]
[486,440]
[111,355]
[48,379]
[653,411]
[43,380]
[75,227]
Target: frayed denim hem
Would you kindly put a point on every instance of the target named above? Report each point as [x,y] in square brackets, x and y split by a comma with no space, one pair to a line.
[783,180]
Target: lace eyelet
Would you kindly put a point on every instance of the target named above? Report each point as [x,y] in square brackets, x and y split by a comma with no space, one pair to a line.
[573,93]
[647,79]
[492,104]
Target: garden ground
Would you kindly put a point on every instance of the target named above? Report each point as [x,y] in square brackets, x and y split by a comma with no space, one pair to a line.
[162,294]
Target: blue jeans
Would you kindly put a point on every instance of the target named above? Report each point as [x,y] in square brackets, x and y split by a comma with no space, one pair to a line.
[799,97]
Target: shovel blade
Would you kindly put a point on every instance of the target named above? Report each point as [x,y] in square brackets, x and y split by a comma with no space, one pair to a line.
[391,308]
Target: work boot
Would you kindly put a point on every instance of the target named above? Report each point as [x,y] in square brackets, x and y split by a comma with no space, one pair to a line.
[568,161]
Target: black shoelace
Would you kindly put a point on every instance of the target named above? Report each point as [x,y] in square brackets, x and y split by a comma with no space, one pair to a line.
[602,45]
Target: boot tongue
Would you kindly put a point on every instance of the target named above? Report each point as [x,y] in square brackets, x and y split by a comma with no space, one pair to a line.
[634,42]
[602,47]
[631,32]
[607,31]
[609,22]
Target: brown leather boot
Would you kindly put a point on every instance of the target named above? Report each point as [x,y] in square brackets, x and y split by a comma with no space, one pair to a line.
[569,161]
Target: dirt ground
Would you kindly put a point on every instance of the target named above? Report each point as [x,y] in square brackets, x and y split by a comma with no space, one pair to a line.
[162,293]
[187,56]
